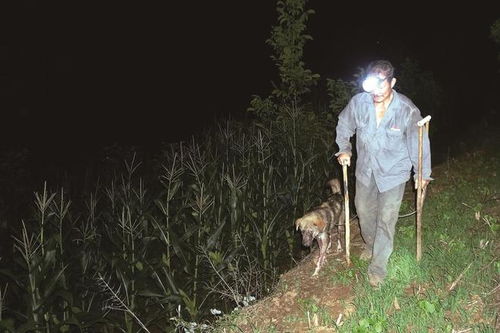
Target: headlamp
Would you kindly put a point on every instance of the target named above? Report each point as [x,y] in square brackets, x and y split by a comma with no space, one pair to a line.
[372,82]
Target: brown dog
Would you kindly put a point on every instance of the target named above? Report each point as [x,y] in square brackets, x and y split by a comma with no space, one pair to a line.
[323,223]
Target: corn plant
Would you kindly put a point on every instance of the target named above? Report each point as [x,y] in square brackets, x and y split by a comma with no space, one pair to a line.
[3,292]
[116,302]
[42,274]
[5,325]
[127,235]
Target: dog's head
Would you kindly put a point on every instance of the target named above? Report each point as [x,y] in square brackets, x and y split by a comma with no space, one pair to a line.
[334,185]
[310,226]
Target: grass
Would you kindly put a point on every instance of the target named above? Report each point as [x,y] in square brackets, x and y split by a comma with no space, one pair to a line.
[346,275]
[452,289]
[315,313]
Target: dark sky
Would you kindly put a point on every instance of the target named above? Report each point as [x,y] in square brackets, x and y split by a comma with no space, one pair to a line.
[78,75]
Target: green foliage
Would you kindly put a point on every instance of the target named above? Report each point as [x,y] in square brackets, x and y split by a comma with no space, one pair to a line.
[340,92]
[427,307]
[288,38]
[374,323]
[314,312]
[348,274]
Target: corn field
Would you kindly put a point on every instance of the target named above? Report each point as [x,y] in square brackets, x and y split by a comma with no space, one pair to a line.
[210,225]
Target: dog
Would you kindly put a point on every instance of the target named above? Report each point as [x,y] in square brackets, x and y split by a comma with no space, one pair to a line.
[323,223]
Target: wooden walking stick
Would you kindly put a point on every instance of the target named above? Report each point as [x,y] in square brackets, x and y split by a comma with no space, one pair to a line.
[346,211]
[420,189]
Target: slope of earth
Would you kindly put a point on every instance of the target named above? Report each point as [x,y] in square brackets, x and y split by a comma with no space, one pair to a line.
[300,297]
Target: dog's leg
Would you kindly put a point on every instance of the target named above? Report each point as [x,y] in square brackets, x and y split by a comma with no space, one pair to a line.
[339,245]
[340,234]
[340,228]
[329,244]
[323,240]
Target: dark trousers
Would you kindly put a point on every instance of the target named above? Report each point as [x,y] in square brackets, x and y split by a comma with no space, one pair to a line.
[378,213]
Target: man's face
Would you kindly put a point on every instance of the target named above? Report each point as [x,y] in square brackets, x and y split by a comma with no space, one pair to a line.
[383,91]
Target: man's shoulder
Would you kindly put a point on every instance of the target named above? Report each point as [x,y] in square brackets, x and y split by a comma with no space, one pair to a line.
[406,102]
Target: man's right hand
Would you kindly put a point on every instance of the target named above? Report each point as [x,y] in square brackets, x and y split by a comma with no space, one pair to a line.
[344,159]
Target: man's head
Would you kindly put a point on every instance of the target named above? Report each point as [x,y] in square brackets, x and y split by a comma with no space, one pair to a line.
[381,67]
[380,80]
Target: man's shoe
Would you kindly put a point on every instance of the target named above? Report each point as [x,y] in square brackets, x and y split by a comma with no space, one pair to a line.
[375,280]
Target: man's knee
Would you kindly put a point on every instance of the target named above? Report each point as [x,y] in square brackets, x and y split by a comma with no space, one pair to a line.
[390,213]
[365,204]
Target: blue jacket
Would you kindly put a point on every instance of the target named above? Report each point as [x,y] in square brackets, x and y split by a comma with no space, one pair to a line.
[388,151]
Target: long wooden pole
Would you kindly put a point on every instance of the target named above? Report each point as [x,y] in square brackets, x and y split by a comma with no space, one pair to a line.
[346,211]
[420,188]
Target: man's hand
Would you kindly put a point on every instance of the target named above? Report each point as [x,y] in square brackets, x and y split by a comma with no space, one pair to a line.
[344,159]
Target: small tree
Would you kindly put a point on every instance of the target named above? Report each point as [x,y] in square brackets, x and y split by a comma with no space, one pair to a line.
[340,92]
[288,38]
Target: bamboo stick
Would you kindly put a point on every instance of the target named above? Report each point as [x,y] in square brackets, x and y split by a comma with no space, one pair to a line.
[346,211]
[420,189]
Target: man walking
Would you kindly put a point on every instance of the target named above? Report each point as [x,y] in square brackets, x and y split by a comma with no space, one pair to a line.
[385,124]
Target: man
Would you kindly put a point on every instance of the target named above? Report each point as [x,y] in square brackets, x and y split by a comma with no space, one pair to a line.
[385,124]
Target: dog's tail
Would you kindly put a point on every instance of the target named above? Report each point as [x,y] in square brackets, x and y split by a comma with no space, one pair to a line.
[334,185]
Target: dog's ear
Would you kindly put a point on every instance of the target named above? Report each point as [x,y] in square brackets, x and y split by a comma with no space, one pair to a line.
[298,224]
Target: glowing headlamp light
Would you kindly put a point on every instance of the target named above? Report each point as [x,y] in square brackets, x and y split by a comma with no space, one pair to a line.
[372,82]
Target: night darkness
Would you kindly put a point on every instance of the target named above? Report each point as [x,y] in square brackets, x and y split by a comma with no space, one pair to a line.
[95,96]
[78,77]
